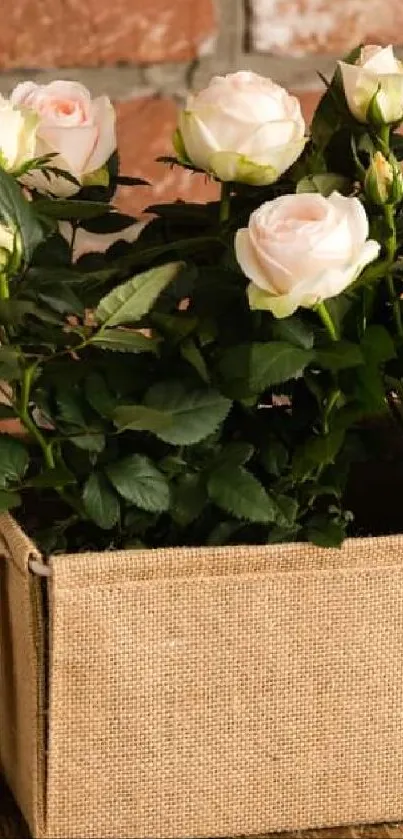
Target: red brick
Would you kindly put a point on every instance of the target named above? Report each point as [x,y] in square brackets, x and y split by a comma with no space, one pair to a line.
[63,33]
[309,100]
[145,128]
[308,26]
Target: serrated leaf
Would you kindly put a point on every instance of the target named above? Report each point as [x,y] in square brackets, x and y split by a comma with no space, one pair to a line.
[325,533]
[9,364]
[99,396]
[325,184]
[196,413]
[14,460]
[317,451]
[9,500]
[274,457]
[377,345]
[251,368]
[101,502]
[93,442]
[276,362]
[69,408]
[19,213]
[294,331]
[58,477]
[137,480]
[191,353]
[131,301]
[141,418]
[188,499]
[66,210]
[235,454]
[236,491]
[340,355]
[124,340]
[287,510]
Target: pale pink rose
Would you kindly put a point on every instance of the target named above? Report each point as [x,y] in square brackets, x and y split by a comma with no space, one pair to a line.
[242,127]
[80,130]
[86,242]
[374,85]
[299,250]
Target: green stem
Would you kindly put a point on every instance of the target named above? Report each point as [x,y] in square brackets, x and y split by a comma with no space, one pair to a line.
[27,421]
[327,321]
[391,245]
[4,289]
[330,404]
[225,203]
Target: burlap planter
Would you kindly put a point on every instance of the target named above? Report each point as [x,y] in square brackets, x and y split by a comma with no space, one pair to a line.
[202,693]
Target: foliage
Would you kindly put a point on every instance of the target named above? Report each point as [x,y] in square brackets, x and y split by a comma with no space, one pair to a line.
[157,408]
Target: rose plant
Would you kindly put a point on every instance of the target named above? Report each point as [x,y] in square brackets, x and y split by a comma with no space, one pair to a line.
[220,373]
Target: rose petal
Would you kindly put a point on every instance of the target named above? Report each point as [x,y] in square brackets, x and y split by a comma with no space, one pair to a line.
[105,118]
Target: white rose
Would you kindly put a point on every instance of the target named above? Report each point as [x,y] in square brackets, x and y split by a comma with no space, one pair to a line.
[17,135]
[81,131]
[242,127]
[376,73]
[299,250]
[85,242]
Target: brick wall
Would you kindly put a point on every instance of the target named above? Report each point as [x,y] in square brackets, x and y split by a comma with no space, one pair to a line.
[146,54]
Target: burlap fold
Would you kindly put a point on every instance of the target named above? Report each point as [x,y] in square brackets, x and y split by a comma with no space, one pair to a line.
[211,692]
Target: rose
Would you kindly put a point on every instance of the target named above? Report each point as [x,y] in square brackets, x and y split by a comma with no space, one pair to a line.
[384,181]
[374,86]
[17,135]
[299,250]
[83,242]
[81,132]
[242,127]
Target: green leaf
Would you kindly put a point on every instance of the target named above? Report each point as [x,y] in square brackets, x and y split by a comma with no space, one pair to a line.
[141,418]
[237,492]
[92,442]
[176,327]
[377,345]
[196,413]
[315,452]
[70,409]
[276,362]
[324,532]
[188,499]
[191,353]
[295,331]
[124,340]
[18,213]
[274,457]
[9,364]
[235,454]
[8,500]
[287,510]
[58,477]
[99,396]
[66,210]
[137,480]
[251,368]
[14,460]
[325,184]
[101,502]
[339,355]
[132,300]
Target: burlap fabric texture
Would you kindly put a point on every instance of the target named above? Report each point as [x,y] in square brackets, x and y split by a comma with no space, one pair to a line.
[202,693]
